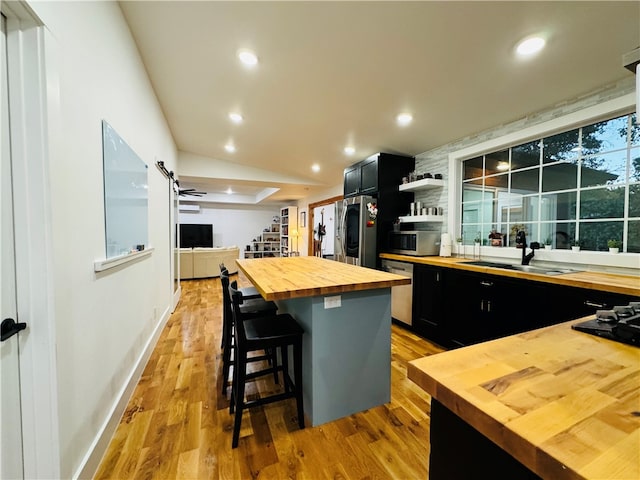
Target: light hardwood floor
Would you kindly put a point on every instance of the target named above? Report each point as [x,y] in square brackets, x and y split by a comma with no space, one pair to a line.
[177,424]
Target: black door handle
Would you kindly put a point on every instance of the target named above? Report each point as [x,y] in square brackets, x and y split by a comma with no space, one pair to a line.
[9,328]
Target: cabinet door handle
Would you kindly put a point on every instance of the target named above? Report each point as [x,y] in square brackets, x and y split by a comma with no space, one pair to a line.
[589,303]
[488,305]
[437,276]
[482,305]
[485,283]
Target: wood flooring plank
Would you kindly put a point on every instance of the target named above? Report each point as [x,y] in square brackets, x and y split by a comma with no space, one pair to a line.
[128,461]
[188,464]
[360,443]
[208,459]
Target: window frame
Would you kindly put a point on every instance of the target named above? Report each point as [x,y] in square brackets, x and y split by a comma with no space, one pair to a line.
[623,105]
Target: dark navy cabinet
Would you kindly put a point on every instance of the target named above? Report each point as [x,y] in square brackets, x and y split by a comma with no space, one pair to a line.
[361,178]
[484,307]
[428,303]
[455,308]
[376,174]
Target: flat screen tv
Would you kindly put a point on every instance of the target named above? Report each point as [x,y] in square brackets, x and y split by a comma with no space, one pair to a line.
[196,235]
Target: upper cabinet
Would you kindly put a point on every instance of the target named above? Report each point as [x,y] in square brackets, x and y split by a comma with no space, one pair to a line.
[369,177]
[352,183]
[376,173]
[361,178]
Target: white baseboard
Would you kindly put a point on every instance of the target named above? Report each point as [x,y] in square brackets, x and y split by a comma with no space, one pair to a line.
[93,457]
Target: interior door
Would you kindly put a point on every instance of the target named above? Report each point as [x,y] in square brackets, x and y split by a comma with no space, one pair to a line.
[11,458]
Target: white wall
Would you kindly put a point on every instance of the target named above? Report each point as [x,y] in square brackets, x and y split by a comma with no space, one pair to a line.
[233,224]
[103,321]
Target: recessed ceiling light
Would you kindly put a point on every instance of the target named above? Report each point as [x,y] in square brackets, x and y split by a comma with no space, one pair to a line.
[315,167]
[248,57]
[229,147]
[235,117]
[349,150]
[530,46]
[404,119]
[229,191]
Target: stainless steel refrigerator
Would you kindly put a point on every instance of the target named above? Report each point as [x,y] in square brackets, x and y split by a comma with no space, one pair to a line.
[355,231]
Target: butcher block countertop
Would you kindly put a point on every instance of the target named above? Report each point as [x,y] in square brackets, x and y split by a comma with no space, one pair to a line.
[566,404]
[606,282]
[280,278]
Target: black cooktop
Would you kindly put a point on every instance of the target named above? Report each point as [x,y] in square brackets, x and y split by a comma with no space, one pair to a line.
[622,324]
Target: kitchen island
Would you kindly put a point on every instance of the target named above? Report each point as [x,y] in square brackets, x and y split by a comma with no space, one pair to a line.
[345,311]
[552,403]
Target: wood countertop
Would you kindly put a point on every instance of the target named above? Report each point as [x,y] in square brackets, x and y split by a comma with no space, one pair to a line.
[606,282]
[280,278]
[566,404]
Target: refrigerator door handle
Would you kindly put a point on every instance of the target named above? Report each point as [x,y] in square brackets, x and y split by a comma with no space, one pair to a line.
[343,231]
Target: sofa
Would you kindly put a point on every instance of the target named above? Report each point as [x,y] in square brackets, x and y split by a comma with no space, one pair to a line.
[205,262]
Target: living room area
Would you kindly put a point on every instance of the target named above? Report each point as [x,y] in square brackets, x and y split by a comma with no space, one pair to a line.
[210,235]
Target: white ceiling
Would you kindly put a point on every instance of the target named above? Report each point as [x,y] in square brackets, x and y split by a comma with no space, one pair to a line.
[337,73]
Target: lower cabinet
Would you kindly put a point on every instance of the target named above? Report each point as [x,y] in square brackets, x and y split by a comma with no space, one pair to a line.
[572,302]
[484,307]
[428,303]
[455,308]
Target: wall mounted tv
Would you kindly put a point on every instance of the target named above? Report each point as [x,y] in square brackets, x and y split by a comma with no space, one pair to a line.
[196,235]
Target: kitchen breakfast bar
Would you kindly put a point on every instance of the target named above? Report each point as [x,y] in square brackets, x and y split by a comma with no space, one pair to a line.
[552,403]
[345,311]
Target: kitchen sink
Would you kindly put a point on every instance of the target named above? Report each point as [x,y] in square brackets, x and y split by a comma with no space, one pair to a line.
[523,268]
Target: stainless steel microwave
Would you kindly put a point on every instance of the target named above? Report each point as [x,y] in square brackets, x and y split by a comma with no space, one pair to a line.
[415,242]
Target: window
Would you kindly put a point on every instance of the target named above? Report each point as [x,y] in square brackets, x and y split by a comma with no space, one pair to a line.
[580,185]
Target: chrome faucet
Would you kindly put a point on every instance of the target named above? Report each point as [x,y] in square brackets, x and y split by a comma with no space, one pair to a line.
[521,242]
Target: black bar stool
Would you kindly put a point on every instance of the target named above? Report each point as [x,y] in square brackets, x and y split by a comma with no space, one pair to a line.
[247,292]
[264,333]
[254,307]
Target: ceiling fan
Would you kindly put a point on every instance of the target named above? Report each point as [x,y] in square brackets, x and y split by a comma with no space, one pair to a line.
[190,192]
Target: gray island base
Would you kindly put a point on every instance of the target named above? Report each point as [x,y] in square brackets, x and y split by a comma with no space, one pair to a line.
[346,352]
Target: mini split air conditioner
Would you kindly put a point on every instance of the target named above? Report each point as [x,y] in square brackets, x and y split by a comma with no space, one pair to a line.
[190,208]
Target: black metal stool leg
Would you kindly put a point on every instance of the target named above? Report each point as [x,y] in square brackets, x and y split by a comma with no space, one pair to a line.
[240,365]
[273,360]
[297,373]
[234,381]
[227,346]
[284,354]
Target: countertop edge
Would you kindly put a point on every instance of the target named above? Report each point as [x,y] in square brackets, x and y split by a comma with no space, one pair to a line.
[568,279]
[331,290]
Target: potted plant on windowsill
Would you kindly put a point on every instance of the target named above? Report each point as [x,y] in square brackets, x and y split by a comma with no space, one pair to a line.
[614,245]
[477,242]
[575,246]
[547,243]
[515,228]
